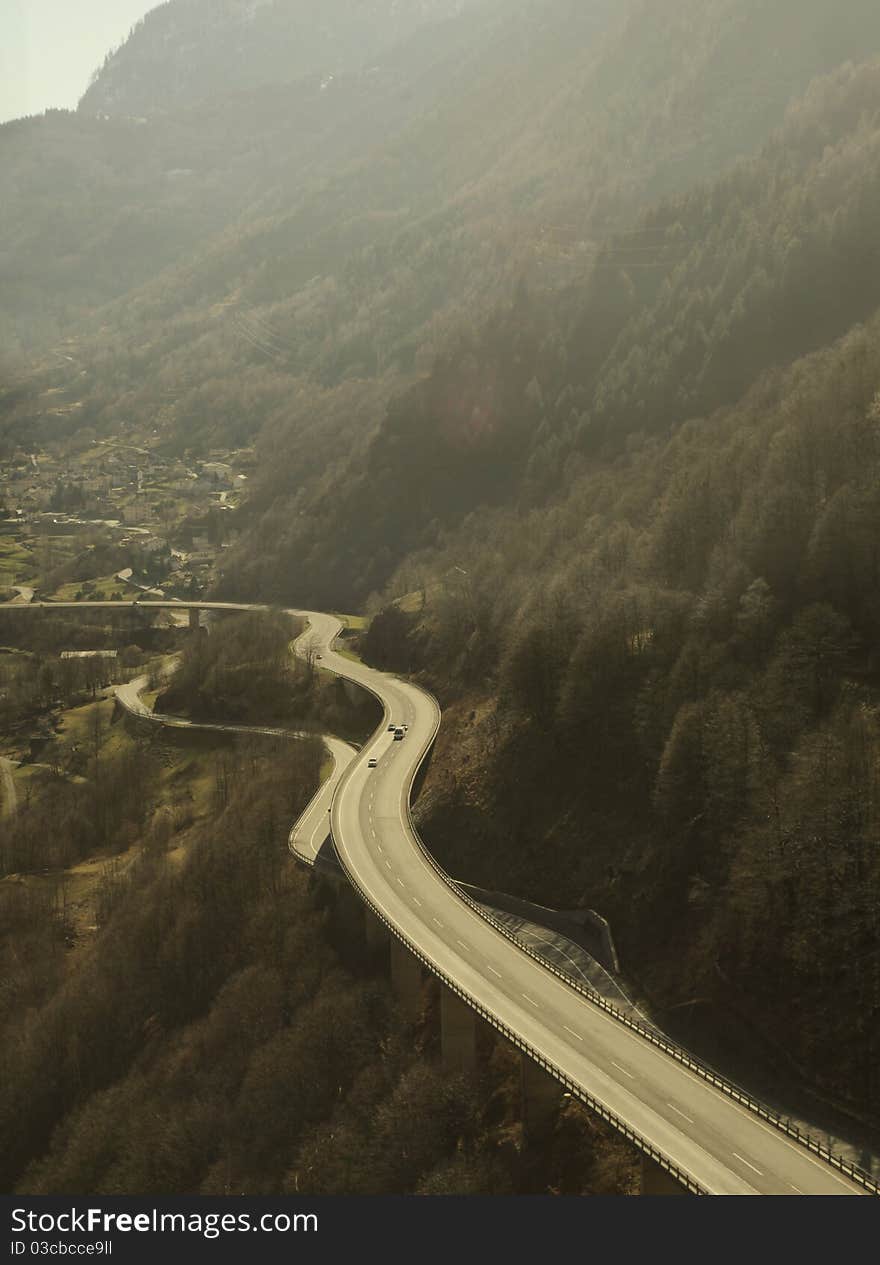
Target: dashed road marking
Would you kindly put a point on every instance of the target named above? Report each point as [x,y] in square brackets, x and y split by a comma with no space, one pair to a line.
[494,972]
[572,1031]
[747,1164]
[796,1189]
[679,1112]
[623,1069]
[532,1001]
[438,922]
[464,946]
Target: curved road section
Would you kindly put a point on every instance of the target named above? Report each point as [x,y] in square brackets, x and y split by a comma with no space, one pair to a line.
[710,1140]
[703,1134]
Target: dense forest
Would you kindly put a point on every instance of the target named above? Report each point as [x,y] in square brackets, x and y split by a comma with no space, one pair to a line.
[680,315]
[700,662]
[220,1030]
[245,671]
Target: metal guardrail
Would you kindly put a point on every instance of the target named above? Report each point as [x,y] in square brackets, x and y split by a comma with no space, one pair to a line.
[728,1087]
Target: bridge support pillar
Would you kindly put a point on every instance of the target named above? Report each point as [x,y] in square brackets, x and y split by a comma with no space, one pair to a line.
[406,980]
[458,1033]
[194,619]
[656,1180]
[377,936]
[540,1096]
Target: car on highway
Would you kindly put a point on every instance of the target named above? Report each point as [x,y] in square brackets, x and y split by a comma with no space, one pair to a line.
[372,762]
[392,727]
[398,733]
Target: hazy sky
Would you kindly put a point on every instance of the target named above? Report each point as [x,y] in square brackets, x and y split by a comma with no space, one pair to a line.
[49,48]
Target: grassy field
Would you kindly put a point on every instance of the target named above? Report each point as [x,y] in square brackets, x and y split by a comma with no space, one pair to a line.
[100,590]
[357,623]
[17,564]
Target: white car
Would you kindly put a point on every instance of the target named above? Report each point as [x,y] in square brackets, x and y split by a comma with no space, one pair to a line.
[372,762]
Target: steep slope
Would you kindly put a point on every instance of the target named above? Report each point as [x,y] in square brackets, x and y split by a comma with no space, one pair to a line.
[186,52]
[683,730]
[679,316]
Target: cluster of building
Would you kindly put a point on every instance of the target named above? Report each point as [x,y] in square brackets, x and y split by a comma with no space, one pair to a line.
[171,516]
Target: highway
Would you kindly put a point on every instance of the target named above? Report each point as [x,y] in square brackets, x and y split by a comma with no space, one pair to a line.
[711,1141]
[310,833]
[722,1146]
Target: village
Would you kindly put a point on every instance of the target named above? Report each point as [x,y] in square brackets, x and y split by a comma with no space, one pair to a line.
[114,519]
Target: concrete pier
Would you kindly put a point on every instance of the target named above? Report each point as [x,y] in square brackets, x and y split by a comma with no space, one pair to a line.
[375,931]
[458,1033]
[656,1180]
[406,980]
[541,1096]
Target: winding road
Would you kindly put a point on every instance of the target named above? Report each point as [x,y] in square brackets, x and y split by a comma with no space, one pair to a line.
[710,1140]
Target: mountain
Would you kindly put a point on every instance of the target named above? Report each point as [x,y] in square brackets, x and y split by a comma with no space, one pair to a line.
[187,52]
[679,315]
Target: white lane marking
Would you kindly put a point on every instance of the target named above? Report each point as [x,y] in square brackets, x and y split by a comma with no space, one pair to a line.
[373,831]
[684,1117]
[532,1001]
[572,1031]
[494,972]
[466,947]
[747,1164]
[773,1133]
[797,1190]
[623,1069]
[388,864]
[417,901]
[438,922]
[401,883]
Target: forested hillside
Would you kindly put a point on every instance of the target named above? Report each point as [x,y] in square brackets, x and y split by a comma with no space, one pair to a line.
[676,599]
[678,723]
[221,1030]
[181,54]
[678,317]
[290,256]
